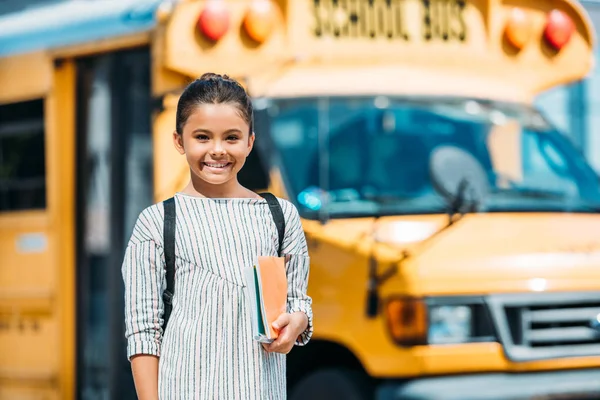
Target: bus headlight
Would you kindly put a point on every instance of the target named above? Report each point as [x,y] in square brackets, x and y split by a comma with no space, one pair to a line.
[439,320]
[407,320]
[450,324]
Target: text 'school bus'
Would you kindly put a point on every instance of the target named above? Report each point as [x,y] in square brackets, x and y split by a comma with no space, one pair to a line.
[453,231]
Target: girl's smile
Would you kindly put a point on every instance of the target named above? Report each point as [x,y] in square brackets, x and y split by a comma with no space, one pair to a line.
[217,167]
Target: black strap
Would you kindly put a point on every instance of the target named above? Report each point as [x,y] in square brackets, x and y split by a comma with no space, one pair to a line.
[169,250]
[278,217]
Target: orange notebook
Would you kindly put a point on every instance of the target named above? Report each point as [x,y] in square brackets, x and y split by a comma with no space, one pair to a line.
[266,288]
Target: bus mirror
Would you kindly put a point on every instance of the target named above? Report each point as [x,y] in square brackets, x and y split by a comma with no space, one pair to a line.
[459,177]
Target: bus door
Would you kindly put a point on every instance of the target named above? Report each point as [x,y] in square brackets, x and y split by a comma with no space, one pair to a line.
[114,183]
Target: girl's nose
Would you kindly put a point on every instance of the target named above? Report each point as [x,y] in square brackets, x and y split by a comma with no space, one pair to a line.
[218,150]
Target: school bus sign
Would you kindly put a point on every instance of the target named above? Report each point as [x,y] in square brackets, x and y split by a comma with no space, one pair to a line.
[390,19]
[348,28]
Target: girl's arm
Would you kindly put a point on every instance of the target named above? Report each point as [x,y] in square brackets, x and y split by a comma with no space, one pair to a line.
[144,278]
[145,376]
[297,264]
[299,303]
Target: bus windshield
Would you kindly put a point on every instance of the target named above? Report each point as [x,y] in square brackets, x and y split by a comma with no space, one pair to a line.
[370,156]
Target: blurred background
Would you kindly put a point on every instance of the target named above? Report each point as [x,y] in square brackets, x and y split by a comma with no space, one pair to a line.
[353,99]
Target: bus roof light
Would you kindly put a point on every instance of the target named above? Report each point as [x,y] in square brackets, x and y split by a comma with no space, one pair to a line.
[559,29]
[260,20]
[213,21]
[518,29]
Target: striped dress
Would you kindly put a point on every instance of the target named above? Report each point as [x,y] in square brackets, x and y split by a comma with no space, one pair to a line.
[207,351]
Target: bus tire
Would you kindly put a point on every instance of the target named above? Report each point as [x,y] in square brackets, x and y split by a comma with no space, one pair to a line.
[333,383]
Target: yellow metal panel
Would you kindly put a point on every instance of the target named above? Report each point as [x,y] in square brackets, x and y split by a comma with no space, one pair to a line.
[25,269]
[25,77]
[477,357]
[29,331]
[37,290]
[163,79]
[33,384]
[60,122]
[103,46]
[171,171]
[27,302]
[388,78]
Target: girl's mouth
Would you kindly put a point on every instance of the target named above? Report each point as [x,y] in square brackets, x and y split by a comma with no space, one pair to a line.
[216,167]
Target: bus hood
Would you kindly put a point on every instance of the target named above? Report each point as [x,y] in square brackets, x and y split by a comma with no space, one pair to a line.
[491,252]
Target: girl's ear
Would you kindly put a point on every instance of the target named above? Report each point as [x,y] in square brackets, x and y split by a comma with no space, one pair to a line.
[178,142]
[251,139]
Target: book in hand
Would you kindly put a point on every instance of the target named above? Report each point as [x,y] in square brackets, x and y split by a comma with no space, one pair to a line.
[266,288]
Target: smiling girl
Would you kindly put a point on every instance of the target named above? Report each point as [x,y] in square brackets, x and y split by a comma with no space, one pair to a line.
[207,350]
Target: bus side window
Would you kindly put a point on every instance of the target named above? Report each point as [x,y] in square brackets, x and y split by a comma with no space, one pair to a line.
[22,156]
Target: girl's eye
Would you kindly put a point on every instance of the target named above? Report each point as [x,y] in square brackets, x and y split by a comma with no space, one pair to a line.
[232,138]
[202,137]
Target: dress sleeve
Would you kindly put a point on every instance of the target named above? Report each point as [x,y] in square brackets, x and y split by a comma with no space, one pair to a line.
[143,273]
[297,269]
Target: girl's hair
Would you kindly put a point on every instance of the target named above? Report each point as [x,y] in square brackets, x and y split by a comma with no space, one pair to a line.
[213,88]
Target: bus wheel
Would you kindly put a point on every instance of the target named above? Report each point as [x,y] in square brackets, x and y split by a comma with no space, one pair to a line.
[332,383]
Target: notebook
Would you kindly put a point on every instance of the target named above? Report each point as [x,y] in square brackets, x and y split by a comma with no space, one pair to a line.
[266,288]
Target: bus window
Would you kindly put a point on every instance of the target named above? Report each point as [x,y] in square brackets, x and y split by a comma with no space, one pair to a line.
[22,159]
[377,157]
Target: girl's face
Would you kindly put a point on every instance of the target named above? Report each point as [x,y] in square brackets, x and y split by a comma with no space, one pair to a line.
[216,142]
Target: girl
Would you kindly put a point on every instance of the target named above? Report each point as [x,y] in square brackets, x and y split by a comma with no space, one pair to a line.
[207,350]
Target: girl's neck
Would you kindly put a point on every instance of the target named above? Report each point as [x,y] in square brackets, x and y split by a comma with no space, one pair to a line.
[232,189]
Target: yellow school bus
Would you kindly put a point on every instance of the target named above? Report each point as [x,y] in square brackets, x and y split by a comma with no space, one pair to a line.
[452,228]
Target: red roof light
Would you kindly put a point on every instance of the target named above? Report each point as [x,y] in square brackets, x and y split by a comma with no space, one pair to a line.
[559,29]
[213,21]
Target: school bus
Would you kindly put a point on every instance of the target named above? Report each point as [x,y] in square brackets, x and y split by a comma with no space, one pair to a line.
[452,228]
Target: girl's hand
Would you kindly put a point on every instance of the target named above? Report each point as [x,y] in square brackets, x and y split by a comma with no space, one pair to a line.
[290,326]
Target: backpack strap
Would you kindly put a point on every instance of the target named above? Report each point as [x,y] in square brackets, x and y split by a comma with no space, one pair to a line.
[278,217]
[169,250]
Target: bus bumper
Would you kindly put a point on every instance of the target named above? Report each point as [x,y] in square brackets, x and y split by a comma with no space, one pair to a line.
[555,385]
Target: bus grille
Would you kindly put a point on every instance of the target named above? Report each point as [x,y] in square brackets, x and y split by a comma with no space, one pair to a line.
[547,325]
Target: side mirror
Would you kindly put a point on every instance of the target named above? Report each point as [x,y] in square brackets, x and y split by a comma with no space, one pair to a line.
[458,177]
